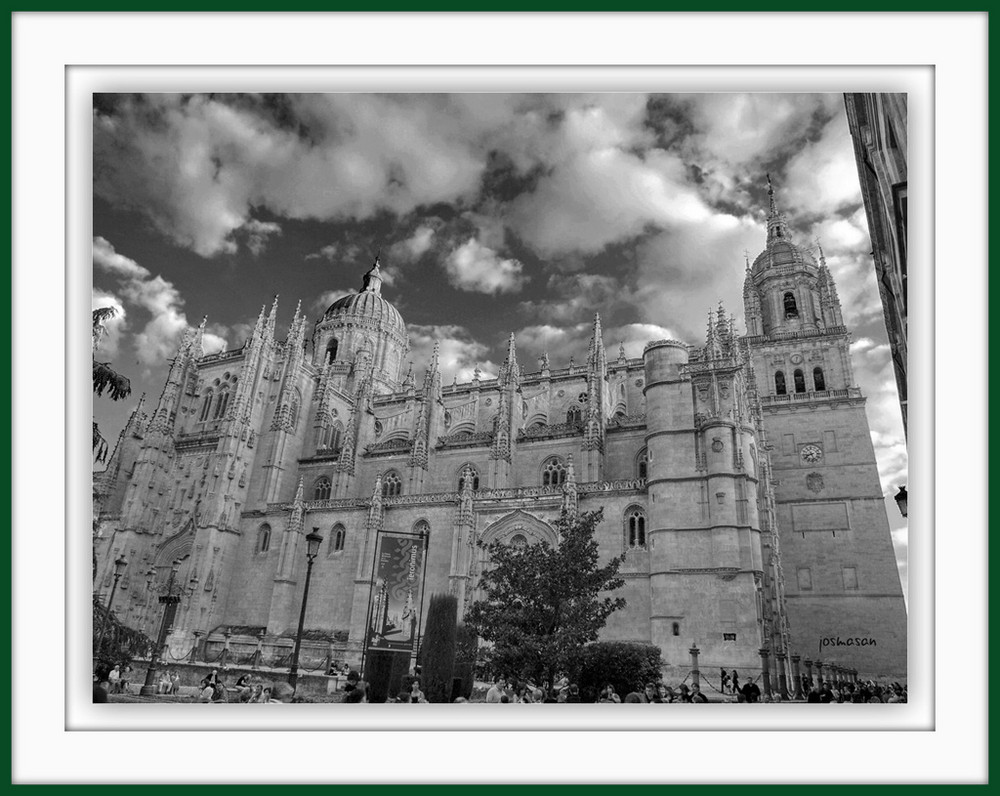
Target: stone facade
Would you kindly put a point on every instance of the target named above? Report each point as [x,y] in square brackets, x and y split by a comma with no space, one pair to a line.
[250,449]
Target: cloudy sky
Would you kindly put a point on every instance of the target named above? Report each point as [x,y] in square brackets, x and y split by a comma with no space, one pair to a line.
[494,213]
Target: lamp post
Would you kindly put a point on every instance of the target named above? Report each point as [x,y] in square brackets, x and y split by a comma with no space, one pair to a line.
[313,541]
[900,499]
[120,564]
[168,601]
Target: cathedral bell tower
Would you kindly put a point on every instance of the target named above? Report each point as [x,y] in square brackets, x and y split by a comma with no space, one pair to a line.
[841,579]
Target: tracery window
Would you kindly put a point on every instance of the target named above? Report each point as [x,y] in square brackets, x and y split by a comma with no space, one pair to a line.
[574,415]
[779,384]
[321,489]
[800,381]
[553,472]
[791,308]
[819,380]
[635,528]
[519,540]
[331,349]
[422,528]
[392,486]
[293,410]
[264,538]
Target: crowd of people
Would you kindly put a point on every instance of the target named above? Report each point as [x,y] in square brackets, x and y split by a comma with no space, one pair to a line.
[252,688]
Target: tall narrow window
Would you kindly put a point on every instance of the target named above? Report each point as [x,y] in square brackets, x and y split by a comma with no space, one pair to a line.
[553,472]
[800,381]
[779,383]
[293,411]
[819,382]
[206,407]
[337,537]
[221,404]
[574,415]
[331,350]
[264,538]
[641,465]
[336,437]
[391,484]
[791,308]
[321,490]
[635,528]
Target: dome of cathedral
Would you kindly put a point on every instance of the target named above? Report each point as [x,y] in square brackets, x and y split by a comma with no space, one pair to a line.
[367,304]
[370,305]
[781,251]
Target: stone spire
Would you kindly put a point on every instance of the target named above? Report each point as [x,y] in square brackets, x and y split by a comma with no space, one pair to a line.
[241,405]
[510,372]
[777,226]
[713,348]
[285,414]
[166,408]
[372,282]
[593,433]
[271,318]
[570,497]
[408,381]
[198,346]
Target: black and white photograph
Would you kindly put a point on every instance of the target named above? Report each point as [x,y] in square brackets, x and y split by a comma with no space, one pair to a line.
[500,398]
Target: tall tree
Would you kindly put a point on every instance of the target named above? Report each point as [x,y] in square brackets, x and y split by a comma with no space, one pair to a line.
[438,647]
[106,378]
[542,604]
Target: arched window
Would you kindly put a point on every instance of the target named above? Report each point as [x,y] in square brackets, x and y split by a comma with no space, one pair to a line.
[222,403]
[791,308]
[779,383]
[635,528]
[336,436]
[475,477]
[800,381]
[321,489]
[422,528]
[206,407]
[553,472]
[337,537]
[641,465]
[574,415]
[391,484]
[675,628]
[819,381]
[331,349]
[519,540]
[264,538]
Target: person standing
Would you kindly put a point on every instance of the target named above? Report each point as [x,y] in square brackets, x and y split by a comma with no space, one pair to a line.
[496,690]
[114,679]
[696,695]
[651,694]
[723,680]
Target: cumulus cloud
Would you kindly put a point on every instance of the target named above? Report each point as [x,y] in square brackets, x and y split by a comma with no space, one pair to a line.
[158,340]
[823,175]
[684,272]
[328,253]
[459,353]
[604,196]
[257,234]
[197,165]
[417,245]
[476,268]
[634,336]
[578,296]
[743,129]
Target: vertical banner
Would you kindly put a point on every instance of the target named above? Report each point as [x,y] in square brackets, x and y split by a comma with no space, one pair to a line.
[396,593]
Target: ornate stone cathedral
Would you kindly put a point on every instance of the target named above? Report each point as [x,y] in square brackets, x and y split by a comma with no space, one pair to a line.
[737,477]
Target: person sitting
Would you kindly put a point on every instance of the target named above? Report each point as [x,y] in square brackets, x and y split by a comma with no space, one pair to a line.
[696,695]
[281,692]
[497,689]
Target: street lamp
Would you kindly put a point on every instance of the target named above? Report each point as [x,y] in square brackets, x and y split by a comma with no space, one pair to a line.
[168,600]
[313,541]
[120,564]
[901,500]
